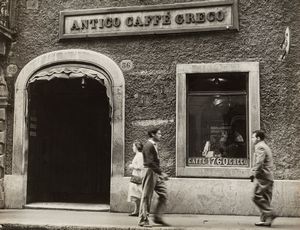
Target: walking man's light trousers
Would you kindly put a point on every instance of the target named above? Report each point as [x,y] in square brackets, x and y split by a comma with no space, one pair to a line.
[262,197]
[152,182]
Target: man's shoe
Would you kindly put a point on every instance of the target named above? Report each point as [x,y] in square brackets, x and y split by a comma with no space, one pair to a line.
[160,221]
[263,224]
[270,219]
[145,224]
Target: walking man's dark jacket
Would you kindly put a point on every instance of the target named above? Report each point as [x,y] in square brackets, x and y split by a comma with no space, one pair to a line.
[151,158]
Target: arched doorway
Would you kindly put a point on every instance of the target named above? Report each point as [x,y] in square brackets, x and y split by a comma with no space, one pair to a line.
[69,136]
[112,84]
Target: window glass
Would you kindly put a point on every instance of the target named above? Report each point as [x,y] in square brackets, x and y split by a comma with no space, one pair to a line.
[217,120]
[217,82]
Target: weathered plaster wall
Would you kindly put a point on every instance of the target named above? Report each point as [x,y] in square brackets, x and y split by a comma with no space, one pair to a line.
[214,196]
[150,85]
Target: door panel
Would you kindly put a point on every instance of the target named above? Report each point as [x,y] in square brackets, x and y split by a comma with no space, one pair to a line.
[69,142]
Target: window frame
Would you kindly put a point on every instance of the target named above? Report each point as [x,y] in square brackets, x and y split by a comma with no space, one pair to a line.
[253,107]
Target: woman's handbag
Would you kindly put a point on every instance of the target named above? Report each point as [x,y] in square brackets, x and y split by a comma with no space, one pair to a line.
[136,179]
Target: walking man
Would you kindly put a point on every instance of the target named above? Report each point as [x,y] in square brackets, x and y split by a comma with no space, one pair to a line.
[153,180]
[262,172]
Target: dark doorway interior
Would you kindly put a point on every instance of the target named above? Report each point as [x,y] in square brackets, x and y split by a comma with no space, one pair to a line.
[69,156]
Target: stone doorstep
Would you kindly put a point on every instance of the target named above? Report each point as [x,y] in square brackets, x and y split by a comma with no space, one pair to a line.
[68,206]
[69,227]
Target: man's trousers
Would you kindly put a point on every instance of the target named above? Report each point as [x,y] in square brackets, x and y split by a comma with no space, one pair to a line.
[152,182]
[262,197]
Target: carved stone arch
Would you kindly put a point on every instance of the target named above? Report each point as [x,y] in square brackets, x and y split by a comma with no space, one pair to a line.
[20,139]
[3,122]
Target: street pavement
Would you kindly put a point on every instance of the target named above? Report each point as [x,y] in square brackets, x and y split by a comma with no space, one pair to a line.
[37,219]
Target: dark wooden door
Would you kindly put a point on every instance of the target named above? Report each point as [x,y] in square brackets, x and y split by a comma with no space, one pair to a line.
[69,142]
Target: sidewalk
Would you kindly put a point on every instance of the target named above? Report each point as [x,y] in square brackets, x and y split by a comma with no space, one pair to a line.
[68,220]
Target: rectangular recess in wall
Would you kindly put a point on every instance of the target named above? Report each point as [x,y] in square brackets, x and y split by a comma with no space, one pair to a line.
[217,110]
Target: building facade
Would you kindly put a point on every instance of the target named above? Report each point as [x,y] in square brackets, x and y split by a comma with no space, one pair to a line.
[82,80]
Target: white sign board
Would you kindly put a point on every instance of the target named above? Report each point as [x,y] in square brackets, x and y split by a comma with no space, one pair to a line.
[158,19]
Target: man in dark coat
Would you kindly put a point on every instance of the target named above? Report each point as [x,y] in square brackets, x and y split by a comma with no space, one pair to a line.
[262,172]
[153,180]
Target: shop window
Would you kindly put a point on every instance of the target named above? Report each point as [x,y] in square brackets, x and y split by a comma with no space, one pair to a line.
[217,108]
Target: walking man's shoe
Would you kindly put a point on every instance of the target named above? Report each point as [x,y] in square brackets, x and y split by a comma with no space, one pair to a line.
[272,218]
[267,223]
[145,224]
[263,224]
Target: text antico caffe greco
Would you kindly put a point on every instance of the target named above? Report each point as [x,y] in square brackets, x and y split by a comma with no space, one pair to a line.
[148,20]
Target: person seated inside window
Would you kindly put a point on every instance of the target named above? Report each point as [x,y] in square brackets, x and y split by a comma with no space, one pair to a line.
[235,146]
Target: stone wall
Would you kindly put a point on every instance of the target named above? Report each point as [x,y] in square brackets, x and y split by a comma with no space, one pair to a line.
[214,197]
[150,85]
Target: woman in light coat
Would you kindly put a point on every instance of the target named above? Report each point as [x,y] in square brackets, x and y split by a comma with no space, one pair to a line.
[135,190]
